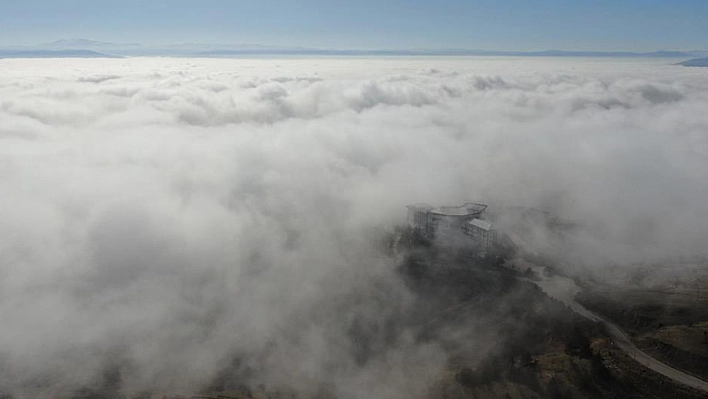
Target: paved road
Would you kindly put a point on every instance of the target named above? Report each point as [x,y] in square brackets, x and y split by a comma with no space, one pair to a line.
[623,342]
[564,289]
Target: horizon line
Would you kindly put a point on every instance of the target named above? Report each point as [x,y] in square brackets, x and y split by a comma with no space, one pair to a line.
[78,43]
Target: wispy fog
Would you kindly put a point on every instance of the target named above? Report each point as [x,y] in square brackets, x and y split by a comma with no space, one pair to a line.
[165,217]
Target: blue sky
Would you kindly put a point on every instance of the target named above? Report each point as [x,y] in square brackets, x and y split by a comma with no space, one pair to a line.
[639,25]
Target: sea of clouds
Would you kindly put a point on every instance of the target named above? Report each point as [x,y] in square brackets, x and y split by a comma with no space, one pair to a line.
[164,217]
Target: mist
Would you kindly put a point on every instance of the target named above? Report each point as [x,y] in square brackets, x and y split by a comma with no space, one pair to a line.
[167,216]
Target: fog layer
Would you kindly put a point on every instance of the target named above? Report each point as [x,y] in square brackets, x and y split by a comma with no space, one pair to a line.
[165,217]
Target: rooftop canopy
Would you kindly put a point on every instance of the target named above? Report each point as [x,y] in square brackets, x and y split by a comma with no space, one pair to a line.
[463,210]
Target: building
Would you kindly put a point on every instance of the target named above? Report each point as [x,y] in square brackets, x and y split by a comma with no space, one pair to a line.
[420,218]
[483,235]
[452,223]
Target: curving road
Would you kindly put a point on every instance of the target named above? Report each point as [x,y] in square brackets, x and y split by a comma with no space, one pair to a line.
[564,290]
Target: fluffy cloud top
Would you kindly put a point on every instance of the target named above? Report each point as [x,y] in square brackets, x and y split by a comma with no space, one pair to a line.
[166,215]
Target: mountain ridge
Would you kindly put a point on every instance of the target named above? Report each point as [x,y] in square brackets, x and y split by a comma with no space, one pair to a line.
[54,54]
[195,49]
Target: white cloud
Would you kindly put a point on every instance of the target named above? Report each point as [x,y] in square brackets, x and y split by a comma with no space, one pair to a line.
[169,214]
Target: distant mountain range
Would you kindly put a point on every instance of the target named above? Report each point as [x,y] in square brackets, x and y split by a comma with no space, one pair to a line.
[696,62]
[86,48]
[54,54]
[84,43]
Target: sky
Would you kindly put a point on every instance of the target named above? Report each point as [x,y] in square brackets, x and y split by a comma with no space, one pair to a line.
[631,25]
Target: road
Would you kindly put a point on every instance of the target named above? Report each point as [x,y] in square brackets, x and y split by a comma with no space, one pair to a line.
[564,290]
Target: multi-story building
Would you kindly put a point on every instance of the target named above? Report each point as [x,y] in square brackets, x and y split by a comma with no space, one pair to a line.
[449,224]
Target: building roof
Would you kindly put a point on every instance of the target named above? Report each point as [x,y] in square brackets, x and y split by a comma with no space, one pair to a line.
[474,207]
[482,224]
[467,209]
[451,211]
